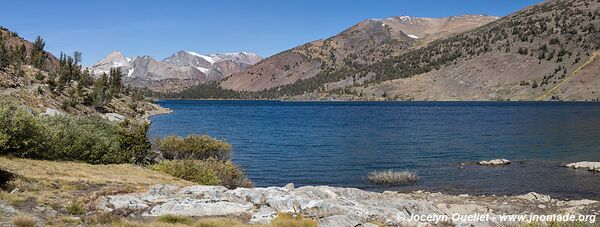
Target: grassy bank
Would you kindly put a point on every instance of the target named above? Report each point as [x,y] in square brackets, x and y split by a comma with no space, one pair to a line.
[70,189]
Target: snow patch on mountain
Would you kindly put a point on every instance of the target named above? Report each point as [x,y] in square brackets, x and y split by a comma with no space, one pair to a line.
[207,58]
[204,70]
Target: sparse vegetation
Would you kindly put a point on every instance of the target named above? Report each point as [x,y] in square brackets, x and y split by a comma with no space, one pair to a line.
[75,208]
[174,219]
[24,221]
[392,177]
[289,220]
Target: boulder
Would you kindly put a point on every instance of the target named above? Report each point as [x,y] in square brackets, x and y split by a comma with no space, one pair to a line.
[198,208]
[52,112]
[534,196]
[495,162]
[263,215]
[591,166]
[114,117]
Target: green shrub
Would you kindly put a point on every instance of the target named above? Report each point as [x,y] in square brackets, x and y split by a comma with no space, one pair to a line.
[192,170]
[92,140]
[205,172]
[21,133]
[69,138]
[134,142]
[194,147]
[230,174]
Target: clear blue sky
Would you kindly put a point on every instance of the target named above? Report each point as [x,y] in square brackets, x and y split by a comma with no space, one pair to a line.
[159,28]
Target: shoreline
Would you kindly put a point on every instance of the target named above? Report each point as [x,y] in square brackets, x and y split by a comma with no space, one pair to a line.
[337,206]
[388,101]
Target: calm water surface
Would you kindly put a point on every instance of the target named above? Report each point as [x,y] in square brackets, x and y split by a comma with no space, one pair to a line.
[338,143]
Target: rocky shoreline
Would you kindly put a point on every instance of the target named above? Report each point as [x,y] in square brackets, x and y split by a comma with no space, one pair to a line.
[334,206]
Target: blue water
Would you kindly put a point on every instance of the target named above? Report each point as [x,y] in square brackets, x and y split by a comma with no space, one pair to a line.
[338,143]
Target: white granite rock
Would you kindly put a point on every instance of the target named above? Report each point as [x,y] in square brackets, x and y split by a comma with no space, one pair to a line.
[331,206]
[114,117]
[591,166]
[52,112]
[495,162]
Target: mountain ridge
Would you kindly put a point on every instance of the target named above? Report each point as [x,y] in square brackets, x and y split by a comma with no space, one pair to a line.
[363,43]
[178,71]
[522,56]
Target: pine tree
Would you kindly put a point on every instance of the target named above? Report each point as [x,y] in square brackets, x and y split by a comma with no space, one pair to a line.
[37,54]
[116,78]
[4,56]
[100,94]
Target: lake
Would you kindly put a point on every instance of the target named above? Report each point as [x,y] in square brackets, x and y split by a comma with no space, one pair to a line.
[339,143]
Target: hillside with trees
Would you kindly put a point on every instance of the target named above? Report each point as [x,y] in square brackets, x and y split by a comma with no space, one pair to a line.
[533,54]
[33,77]
[67,138]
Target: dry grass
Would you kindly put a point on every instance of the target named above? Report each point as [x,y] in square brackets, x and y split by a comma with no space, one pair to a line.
[287,220]
[59,184]
[392,177]
[175,219]
[282,220]
[24,221]
[221,222]
[71,186]
[124,174]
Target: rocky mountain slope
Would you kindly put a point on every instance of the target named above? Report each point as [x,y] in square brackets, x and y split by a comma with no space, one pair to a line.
[547,51]
[544,52]
[59,86]
[12,40]
[180,70]
[364,43]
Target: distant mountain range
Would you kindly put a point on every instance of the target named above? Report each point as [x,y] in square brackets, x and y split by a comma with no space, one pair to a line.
[548,51]
[180,70]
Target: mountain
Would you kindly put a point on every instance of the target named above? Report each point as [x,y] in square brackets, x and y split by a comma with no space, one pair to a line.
[58,86]
[544,52]
[178,71]
[548,51]
[364,43]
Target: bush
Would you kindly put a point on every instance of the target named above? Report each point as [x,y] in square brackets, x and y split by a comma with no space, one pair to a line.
[192,170]
[194,147]
[21,133]
[92,140]
[392,177]
[205,172]
[230,174]
[69,138]
[134,142]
